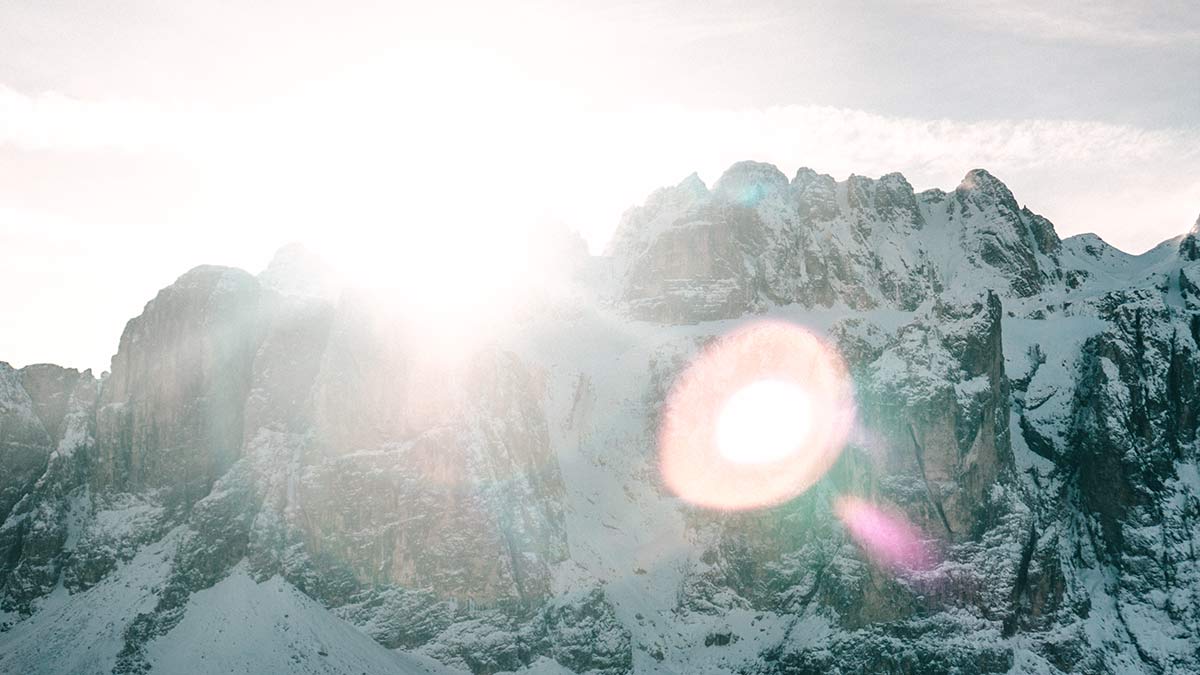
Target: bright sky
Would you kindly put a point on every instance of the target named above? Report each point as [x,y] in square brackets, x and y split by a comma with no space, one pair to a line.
[139,138]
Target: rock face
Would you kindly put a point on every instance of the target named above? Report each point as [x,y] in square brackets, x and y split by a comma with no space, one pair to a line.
[46,417]
[1027,411]
[171,414]
[757,240]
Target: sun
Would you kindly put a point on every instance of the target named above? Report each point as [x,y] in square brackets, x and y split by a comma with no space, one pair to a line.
[421,173]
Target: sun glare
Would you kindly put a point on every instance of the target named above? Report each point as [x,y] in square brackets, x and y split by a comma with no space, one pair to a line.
[887,537]
[756,419]
[766,421]
[410,193]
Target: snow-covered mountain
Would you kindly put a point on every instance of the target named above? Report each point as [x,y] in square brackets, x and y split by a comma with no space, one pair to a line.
[280,476]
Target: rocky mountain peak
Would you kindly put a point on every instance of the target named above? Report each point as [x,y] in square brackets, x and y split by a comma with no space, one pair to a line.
[748,183]
[987,193]
[1189,245]
[889,198]
[693,185]
[296,270]
[50,388]
[864,242]
[179,380]
[807,176]
[208,278]
[982,181]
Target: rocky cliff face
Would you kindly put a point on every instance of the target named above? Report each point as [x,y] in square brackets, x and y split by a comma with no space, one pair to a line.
[1026,408]
[757,240]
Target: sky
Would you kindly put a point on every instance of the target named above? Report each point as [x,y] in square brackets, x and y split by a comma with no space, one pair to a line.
[139,138]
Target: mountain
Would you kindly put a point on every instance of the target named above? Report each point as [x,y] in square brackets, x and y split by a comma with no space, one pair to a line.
[281,475]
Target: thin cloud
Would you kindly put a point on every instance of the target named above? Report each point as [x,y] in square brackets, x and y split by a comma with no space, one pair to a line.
[1132,185]
[1084,175]
[1153,24]
[678,24]
[51,121]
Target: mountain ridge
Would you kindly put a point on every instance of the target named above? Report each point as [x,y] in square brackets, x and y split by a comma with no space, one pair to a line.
[1026,403]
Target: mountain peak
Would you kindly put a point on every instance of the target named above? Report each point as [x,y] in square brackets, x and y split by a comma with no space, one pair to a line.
[979,182]
[807,176]
[297,270]
[981,179]
[201,273]
[693,185]
[749,182]
[1189,245]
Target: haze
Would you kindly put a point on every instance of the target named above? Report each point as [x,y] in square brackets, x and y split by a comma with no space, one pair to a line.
[138,139]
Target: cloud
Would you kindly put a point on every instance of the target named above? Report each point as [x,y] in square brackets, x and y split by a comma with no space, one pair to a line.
[1133,186]
[676,24]
[558,158]
[1148,23]
[51,121]
[841,137]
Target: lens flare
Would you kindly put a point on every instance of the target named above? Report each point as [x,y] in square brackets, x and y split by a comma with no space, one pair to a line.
[763,422]
[756,419]
[888,539]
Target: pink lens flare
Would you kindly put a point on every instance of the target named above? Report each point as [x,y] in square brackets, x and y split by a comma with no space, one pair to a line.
[889,539]
[756,419]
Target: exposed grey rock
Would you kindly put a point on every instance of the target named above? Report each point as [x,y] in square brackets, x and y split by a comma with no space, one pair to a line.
[692,255]
[24,443]
[171,413]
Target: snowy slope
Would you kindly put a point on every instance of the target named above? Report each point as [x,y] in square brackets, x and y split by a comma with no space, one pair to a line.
[244,626]
[236,626]
[82,633]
